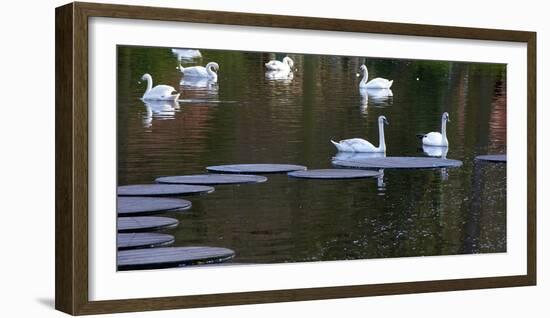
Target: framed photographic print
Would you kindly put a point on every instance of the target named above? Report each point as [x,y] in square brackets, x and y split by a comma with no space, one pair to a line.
[218,158]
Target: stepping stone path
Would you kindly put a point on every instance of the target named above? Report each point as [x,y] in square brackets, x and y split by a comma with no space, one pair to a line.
[162,190]
[127,241]
[492,158]
[166,257]
[398,163]
[133,206]
[260,168]
[145,224]
[212,179]
[334,174]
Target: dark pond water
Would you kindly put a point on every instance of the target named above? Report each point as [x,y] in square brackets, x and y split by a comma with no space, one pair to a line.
[247,118]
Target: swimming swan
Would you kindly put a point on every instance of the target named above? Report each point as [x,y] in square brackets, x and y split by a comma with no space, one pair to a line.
[361,145]
[435,138]
[159,92]
[376,83]
[208,71]
[286,65]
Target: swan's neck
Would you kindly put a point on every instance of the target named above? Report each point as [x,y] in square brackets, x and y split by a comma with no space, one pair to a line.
[149,85]
[210,71]
[444,130]
[382,140]
[365,77]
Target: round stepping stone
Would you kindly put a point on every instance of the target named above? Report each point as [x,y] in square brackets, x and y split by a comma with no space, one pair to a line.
[145,224]
[165,257]
[132,206]
[492,158]
[127,241]
[256,168]
[162,189]
[398,163]
[334,174]
[212,179]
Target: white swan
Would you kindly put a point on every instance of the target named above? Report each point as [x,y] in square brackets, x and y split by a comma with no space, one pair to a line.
[208,71]
[435,138]
[159,92]
[186,54]
[286,65]
[376,83]
[435,151]
[361,145]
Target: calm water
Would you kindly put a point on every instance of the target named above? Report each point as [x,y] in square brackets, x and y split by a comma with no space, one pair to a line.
[247,118]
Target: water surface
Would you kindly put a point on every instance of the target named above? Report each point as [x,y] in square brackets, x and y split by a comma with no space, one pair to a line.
[247,118]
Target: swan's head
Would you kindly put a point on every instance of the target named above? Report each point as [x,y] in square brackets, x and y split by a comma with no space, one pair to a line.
[213,65]
[288,61]
[446,117]
[362,69]
[383,120]
[146,77]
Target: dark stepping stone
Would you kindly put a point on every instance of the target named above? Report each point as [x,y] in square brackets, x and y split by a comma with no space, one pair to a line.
[334,174]
[145,224]
[133,206]
[166,257]
[256,168]
[492,158]
[126,241]
[162,190]
[213,179]
[398,163]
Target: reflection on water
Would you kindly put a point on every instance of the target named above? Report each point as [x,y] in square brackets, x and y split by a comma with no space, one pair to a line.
[251,118]
[284,76]
[375,98]
[357,155]
[190,83]
[159,110]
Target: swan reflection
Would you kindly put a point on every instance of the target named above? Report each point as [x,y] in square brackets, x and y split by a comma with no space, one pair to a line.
[186,54]
[159,110]
[280,75]
[380,184]
[198,83]
[357,155]
[377,97]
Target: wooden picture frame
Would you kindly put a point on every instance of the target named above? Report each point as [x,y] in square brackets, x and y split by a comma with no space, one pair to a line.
[72,280]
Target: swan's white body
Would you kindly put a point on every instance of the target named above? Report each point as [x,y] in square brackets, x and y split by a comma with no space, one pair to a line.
[159,92]
[361,145]
[186,54]
[435,151]
[377,83]
[436,138]
[208,71]
[286,65]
